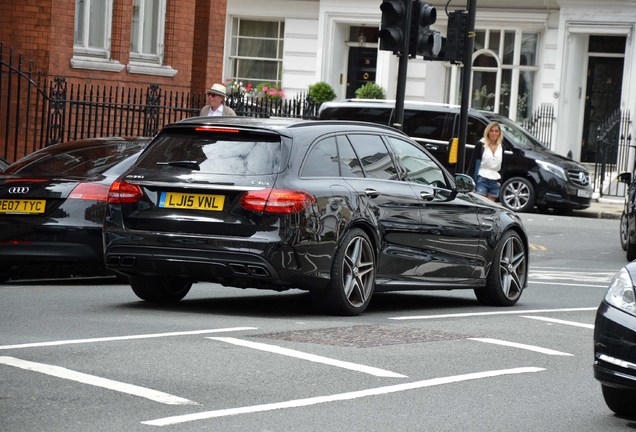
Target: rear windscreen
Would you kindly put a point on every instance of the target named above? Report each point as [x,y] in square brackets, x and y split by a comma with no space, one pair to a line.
[211,152]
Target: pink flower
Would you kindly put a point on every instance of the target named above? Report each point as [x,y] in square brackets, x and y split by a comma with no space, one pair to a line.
[265,89]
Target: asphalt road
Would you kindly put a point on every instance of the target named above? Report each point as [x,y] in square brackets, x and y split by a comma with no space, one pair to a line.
[88,356]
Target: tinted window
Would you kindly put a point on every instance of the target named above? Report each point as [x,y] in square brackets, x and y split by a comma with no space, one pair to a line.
[322,160]
[374,156]
[370,114]
[427,124]
[84,161]
[349,163]
[215,153]
[419,167]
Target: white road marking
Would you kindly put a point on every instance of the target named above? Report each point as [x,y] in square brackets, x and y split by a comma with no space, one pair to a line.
[522,346]
[507,312]
[167,421]
[119,338]
[83,378]
[558,321]
[311,357]
[568,284]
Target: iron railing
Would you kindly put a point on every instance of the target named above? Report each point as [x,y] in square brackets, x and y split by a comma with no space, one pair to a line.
[540,123]
[613,144]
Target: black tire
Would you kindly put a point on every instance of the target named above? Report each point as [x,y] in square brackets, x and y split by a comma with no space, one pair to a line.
[5,273]
[517,194]
[623,231]
[160,289]
[620,400]
[631,251]
[352,277]
[508,273]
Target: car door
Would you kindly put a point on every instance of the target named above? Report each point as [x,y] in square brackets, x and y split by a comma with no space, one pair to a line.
[450,230]
[390,204]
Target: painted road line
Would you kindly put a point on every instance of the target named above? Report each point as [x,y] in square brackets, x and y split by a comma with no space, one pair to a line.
[311,357]
[83,378]
[558,321]
[507,312]
[167,421]
[120,338]
[522,346]
[567,284]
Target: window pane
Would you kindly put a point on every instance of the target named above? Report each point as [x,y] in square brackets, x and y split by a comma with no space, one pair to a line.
[504,94]
[257,48]
[374,156]
[265,29]
[97,24]
[80,6]
[322,160]
[257,69]
[509,47]
[151,26]
[136,27]
[419,167]
[525,101]
[528,49]
[494,40]
[349,163]
[480,39]
[484,90]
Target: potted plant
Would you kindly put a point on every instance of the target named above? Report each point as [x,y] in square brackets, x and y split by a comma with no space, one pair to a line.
[370,91]
[321,92]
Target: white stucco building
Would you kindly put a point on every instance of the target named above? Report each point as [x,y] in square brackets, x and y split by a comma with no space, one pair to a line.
[577,56]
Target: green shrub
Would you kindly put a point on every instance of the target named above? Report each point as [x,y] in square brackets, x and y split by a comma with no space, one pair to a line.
[321,92]
[370,91]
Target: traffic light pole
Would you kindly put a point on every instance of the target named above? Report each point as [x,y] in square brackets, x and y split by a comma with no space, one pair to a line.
[469,45]
[403,65]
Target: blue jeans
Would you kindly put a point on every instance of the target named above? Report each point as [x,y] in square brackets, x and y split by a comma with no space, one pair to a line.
[486,186]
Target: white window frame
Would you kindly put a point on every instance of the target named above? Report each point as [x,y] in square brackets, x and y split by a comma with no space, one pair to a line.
[85,56]
[233,57]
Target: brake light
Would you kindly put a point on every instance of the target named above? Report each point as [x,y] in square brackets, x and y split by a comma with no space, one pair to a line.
[122,192]
[215,129]
[279,201]
[90,191]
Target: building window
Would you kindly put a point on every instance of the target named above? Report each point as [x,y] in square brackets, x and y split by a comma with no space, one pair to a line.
[148,23]
[256,53]
[503,72]
[92,28]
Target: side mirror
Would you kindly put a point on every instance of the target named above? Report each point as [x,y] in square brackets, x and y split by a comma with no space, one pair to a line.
[464,183]
[625,177]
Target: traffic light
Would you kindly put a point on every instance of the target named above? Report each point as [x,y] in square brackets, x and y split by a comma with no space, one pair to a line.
[394,24]
[423,41]
[455,37]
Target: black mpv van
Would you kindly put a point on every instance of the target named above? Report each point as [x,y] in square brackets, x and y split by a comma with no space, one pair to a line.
[531,174]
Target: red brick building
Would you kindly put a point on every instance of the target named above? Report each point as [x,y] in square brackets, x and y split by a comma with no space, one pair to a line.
[193,38]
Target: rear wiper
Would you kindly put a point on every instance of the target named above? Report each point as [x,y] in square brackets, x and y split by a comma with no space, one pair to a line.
[182,163]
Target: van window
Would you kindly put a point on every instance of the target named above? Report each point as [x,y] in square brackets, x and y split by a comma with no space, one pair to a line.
[368,114]
[430,125]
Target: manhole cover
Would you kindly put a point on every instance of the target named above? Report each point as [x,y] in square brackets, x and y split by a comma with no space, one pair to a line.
[365,336]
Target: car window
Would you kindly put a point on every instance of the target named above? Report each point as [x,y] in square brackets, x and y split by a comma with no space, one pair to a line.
[418,166]
[430,125]
[474,130]
[374,156]
[214,152]
[89,160]
[322,160]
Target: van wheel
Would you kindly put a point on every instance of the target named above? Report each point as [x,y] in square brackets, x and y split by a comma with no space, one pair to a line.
[517,194]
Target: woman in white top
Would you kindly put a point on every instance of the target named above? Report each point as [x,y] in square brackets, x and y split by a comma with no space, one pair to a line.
[487,181]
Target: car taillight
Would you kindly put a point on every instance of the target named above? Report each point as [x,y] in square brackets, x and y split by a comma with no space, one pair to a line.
[279,201]
[90,191]
[122,192]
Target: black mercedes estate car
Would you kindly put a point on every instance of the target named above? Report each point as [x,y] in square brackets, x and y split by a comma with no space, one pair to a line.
[341,209]
[531,175]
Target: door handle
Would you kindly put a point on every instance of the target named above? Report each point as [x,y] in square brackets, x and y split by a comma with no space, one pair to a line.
[427,196]
[371,193]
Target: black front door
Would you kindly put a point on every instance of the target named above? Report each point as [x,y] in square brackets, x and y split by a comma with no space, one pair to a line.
[361,68]
[603,92]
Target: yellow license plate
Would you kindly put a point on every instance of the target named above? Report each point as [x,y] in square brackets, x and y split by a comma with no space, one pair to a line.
[22,206]
[191,201]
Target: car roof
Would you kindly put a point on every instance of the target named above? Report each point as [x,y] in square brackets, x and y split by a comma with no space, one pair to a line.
[281,125]
[389,103]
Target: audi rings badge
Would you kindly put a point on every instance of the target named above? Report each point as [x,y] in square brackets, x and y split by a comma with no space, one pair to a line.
[18,190]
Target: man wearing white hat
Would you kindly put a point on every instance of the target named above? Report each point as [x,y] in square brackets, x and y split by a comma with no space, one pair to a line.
[216,96]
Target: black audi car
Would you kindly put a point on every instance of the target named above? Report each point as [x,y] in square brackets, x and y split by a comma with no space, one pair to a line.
[341,209]
[53,201]
[615,343]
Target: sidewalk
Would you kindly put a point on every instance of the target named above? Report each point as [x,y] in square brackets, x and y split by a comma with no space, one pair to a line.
[602,208]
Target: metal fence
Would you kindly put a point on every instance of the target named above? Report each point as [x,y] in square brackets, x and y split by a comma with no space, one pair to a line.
[613,144]
[540,123]
[36,111]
